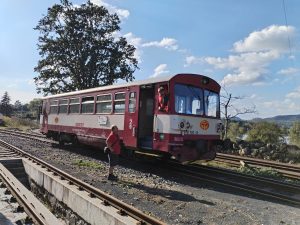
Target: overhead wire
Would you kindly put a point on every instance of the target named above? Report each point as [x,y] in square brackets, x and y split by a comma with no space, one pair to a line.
[286,24]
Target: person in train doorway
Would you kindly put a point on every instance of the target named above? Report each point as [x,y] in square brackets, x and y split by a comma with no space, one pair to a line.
[113,143]
[163,99]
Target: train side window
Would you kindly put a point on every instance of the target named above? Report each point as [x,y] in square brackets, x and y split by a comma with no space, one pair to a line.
[104,103]
[63,106]
[74,105]
[87,104]
[53,106]
[132,102]
[119,103]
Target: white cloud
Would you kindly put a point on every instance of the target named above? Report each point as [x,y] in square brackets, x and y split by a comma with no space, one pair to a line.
[189,60]
[132,39]
[272,38]
[122,13]
[247,67]
[289,71]
[159,70]
[168,43]
[253,55]
[136,42]
[31,82]
[294,94]
[281,107]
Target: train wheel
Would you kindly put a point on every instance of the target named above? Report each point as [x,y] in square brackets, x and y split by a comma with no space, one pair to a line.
[75,141]
[61,142]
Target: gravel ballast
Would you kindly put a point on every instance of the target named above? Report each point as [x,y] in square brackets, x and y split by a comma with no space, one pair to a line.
[169,197]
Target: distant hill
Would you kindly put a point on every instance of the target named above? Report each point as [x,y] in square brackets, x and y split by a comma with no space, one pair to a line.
[282,119]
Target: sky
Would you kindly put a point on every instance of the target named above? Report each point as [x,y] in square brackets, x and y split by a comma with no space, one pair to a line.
[251,47]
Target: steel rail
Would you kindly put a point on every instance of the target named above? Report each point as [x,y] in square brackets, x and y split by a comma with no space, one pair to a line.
[237,164]
[124,209]
[22,132]
[35,211]
[28,208]
[28,135]
[289,170]
[189,171]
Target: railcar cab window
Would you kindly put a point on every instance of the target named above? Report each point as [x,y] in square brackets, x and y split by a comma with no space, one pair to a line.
[87,104]
[53,106]
[212,103]
[104,103]
[63,105]
[132,102]
[163,98]
[119,103]
[188,99]
[74,105]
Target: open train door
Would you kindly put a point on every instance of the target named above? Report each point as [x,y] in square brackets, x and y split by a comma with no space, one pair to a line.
[44,116]
[131,118]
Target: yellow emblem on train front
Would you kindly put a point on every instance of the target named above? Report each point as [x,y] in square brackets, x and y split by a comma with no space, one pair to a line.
[204,124]
[56,120]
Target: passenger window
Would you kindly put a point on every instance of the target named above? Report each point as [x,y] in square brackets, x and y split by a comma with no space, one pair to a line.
[63,106]
[87,105]
[104,103]
[132,102]
[119,103]
[53,106]
[74,105]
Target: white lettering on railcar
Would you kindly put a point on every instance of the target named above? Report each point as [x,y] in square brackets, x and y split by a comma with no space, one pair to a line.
[102,120]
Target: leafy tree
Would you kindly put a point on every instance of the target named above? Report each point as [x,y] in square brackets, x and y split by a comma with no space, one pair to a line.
[294,133]
[80,50]
[17,106]
[265,132]
[33,106]
[236,131]
[5,107]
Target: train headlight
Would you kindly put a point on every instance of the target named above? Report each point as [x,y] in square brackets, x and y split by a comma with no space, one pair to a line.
[205,80]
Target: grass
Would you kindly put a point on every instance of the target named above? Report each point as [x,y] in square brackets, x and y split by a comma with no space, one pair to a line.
[254,171]
[88,164]
[263,172]
[18,123]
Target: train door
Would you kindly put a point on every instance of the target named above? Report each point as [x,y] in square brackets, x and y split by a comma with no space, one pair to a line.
[44,116]
[131,118]
[146,116]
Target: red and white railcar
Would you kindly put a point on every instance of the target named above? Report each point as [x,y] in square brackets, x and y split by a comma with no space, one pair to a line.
[188,128]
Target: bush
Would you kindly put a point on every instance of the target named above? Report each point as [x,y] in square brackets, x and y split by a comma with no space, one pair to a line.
[236,131]
[19,123]
[266,132]
[294,133]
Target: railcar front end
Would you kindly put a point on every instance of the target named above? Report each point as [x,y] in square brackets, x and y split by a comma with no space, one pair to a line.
[190,130]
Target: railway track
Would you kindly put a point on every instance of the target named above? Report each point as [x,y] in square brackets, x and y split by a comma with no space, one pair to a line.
[31,136]
[108,200]
[287,170]
[36,212]
[264,187]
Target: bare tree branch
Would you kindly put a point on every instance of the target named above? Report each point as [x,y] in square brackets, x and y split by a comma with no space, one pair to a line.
[227,102]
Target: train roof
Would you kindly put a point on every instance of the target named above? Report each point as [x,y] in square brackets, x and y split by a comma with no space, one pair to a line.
[114,86]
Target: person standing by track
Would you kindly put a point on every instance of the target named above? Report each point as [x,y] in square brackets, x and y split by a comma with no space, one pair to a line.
[113,143]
